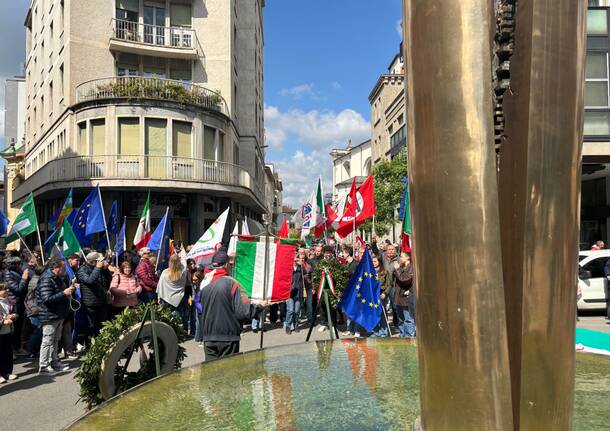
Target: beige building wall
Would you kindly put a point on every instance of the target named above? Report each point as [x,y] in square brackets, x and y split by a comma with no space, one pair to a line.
[388,113]
[350,163]
[67,44]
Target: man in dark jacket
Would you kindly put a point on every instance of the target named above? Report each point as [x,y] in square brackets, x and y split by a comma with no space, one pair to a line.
[225,307]
[17,282]
[93,291]
[54,300]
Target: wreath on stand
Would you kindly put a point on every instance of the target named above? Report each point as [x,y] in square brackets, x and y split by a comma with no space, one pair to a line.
[339,274]
[113,331]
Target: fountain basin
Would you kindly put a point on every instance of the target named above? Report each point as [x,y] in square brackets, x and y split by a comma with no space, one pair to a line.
[363,384]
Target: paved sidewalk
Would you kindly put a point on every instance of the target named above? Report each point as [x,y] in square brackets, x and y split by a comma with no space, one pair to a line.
[34,403]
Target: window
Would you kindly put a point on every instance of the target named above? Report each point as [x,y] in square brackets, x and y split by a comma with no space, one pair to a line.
[50,97]
[61,82]
[123,69]
[597,22]
[596,267]
[51,34]
[127,10]
[98,137]
[154,72]
[82,139]
[597,123]
[220,151]
[180,15]
[41,111]
[181,139]
[398,138]
[596,80]
[209,143]
[129,136]
[180,70]
[155,146]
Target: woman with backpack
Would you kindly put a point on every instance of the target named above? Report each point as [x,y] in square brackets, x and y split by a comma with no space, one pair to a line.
[124,289]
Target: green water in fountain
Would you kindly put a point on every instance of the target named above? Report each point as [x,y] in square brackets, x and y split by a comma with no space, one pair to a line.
[345,385]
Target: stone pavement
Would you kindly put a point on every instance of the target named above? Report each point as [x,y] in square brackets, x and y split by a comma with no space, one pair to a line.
[50,403]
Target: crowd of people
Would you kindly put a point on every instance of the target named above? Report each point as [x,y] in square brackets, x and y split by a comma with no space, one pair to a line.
[39,304]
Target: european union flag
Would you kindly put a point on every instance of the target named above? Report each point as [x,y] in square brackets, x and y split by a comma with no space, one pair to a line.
[79,225]
[4,222]
[113,219]
[361,299]
[120,246]
[159,240]
[96,221]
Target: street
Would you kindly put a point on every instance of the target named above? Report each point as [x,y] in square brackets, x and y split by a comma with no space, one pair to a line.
[51,403]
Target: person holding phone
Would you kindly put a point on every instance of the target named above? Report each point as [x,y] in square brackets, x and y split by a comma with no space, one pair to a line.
[53,297]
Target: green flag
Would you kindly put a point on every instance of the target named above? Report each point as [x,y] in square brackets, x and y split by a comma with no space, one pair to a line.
[25,223]
[67,241]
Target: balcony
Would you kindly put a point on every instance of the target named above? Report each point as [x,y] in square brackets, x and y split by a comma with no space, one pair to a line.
[139,87]
[158,41]
[141,171]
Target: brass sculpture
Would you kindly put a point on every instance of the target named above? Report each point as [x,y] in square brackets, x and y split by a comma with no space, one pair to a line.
[497,257]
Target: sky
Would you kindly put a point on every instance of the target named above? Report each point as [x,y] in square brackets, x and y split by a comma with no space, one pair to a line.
[322,58]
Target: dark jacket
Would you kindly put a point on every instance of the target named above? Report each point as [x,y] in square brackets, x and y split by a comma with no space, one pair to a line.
[147,275]
[300,280]
[92,286]
[404,283]
[51,299]
[31,302]
[16,284]
[225,305]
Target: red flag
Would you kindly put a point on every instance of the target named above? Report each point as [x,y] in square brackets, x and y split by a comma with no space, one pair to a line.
[405,243]
[283,232]
[331,215]
[361,205]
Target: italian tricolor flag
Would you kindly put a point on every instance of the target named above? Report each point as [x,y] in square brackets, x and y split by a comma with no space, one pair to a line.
[250,270]
[143,233]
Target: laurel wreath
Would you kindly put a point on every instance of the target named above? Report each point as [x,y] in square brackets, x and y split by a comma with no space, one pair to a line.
[90,364]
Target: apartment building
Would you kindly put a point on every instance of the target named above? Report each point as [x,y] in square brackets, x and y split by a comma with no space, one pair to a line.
[388,111]
[163,96]
[349,163]
[595,198]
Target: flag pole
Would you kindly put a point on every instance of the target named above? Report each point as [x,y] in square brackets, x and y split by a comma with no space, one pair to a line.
[24,244]
[99,193]
[265,279]
[39,240]
[161,243]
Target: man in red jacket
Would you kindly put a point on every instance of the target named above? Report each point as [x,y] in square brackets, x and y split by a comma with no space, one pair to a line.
[147,277]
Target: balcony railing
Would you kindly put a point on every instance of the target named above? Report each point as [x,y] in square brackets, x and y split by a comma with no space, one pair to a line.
[140,87]
[139,167]
[169,37]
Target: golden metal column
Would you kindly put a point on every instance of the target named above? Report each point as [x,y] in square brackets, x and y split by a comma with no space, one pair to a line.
[463,351]
[539,185]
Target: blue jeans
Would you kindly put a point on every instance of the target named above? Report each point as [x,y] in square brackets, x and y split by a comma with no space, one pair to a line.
[381,330]
[145,297]
[406,321]
[198,333]
[293,312]
[256,321]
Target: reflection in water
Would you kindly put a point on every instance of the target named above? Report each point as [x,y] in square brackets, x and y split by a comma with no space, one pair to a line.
[345,385]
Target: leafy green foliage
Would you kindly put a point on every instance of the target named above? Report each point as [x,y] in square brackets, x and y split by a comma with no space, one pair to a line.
[388,192]
[90,365]
[339,275]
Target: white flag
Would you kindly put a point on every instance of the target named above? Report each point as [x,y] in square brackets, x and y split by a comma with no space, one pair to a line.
[305,217]
[233,241]
[205,245]
[245,230]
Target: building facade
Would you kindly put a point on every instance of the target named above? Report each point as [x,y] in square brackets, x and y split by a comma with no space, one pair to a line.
[388,111]
[349,163]
[273,194]
[595,198]
[163,96]
[14,124]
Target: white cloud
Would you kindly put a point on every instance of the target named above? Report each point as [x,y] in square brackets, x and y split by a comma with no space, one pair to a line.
[336,85]
[314,133]
[315,129]
[399,28]
[299,91]
[299,174]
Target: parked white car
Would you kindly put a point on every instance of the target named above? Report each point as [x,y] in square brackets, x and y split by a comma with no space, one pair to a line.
[592,280]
